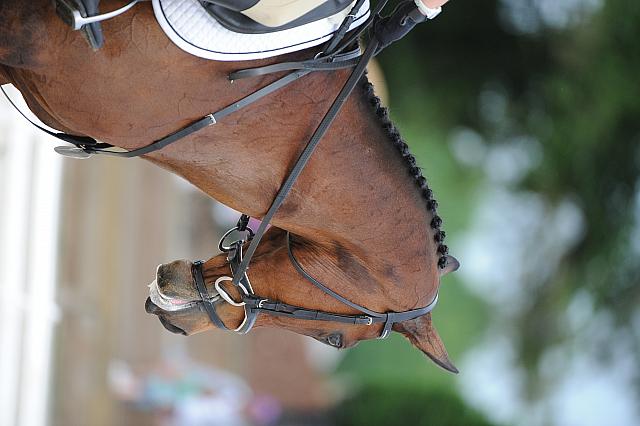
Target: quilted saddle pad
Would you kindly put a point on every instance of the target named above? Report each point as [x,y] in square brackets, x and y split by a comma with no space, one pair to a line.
[194,30]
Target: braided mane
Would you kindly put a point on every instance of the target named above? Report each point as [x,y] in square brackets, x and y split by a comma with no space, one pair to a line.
[416,172]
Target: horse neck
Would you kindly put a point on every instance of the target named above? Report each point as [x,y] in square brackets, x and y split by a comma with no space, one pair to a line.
[359,192]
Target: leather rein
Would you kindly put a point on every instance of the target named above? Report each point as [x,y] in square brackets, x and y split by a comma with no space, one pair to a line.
[336,54]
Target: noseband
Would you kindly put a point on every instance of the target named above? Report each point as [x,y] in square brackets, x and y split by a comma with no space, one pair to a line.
[254,304]
[338,53]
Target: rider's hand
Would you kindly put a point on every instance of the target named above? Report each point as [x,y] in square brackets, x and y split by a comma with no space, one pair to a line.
[434,4]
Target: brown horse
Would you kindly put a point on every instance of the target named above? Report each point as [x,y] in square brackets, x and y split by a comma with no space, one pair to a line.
[362,217]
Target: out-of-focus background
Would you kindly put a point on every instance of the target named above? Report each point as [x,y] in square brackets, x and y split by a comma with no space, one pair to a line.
[525,115]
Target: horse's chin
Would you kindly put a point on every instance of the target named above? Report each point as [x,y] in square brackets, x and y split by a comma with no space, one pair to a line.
[152,309]
[166,303]
[172,328]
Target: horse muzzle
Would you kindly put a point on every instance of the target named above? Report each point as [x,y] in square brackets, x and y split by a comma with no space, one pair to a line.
[153,309]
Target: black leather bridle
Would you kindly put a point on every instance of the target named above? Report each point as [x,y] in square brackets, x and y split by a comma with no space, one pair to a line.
[337,53]
[254,304]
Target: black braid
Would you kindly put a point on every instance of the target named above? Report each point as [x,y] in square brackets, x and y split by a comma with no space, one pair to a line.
[416,172]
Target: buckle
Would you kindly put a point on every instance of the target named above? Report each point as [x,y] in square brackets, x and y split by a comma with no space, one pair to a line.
[73,152]
[369,320]
[226,249]
[73,17]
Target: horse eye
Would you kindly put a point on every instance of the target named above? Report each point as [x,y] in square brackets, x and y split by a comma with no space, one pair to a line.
[335,340]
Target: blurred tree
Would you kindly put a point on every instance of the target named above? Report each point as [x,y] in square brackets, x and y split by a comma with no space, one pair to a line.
[569,82]
[399,404]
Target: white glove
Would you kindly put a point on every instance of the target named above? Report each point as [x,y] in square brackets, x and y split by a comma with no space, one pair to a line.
[430,8]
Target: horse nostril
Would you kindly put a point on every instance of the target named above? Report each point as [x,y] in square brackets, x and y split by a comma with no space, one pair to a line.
[171,276]
[162,276]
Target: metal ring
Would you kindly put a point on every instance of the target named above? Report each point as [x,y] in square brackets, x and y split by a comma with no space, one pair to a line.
[227,249]
[224,294]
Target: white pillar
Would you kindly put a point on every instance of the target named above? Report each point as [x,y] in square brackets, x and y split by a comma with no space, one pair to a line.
[30,176]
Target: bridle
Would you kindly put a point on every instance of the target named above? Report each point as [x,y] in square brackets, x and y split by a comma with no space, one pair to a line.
[254,304]
[336,54]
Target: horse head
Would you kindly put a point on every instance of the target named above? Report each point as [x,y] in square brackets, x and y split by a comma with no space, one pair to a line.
[176,300]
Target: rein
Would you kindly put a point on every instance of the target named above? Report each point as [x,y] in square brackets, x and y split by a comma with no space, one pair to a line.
[383,31]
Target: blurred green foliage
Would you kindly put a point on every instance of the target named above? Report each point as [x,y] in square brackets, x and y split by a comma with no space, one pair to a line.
[402,404]
[572,88]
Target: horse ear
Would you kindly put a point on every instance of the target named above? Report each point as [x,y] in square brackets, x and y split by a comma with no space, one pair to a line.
[451,265]
[423,335]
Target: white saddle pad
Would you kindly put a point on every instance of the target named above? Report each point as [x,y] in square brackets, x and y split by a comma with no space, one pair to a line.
[195,31]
